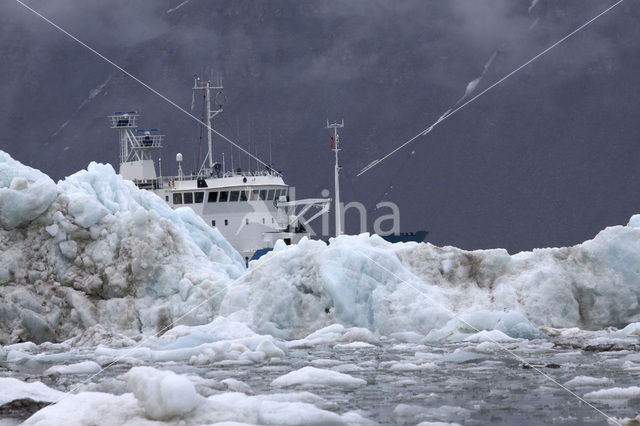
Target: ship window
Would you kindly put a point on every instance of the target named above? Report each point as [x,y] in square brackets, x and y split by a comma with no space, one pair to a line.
[263,194]
[213,197]
[177,198]
[198,197]
[224,196]
[213,223]
[283,191]
[166,198]
[256,195]
[188,197]
[226,222]
[234,196]
[246,221]
[243,195]
[270,196]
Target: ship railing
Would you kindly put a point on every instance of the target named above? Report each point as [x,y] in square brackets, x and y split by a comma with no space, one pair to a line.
[251,173]
[149,141]
[124,120]
[194,176]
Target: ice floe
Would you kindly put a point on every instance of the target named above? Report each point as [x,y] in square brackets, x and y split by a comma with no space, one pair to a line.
[317,376]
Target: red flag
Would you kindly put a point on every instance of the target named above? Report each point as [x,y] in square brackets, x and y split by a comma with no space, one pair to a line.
[332,142]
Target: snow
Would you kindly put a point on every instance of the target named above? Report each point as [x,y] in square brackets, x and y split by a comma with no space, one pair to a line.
[85,367]
[14,389]
[317,376]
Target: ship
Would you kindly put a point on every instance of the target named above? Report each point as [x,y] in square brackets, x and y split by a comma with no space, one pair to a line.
[251,209]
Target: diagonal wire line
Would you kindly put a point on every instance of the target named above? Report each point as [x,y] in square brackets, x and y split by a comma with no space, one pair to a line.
[142,83]
[450,113]
[504,348]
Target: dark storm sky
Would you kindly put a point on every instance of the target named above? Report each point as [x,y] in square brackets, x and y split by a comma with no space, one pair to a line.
[546,159]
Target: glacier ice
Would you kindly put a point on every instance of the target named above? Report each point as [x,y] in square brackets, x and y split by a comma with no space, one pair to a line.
[440,293]
[93,259]
[95,250]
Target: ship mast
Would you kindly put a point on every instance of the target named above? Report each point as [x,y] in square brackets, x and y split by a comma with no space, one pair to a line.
[207,87]
[335,147]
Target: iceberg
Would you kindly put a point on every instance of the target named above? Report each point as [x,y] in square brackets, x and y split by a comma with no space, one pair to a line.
[443,293]
[95,250]
[93,253]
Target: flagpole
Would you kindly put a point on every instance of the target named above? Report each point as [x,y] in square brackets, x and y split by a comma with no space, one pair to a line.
[335,147]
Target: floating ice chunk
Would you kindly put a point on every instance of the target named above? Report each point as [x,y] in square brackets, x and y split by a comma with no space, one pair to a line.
[89,408]
[85,367]
[14,389]
[346,368]
[359,334]
[615,393]
[226,408]
[410,414]
[317,376]
[461,356]
[489,336]
[297,413]
[407,337]
[354,345]
[488,347]
[236,386]
[588,381]
[23,347]
[162,394]
[408,366]
[632,329]
[321,362]
[277,409]
[270,349]
[324,336]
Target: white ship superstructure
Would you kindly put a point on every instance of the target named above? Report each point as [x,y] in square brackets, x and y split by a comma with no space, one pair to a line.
[252,210]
